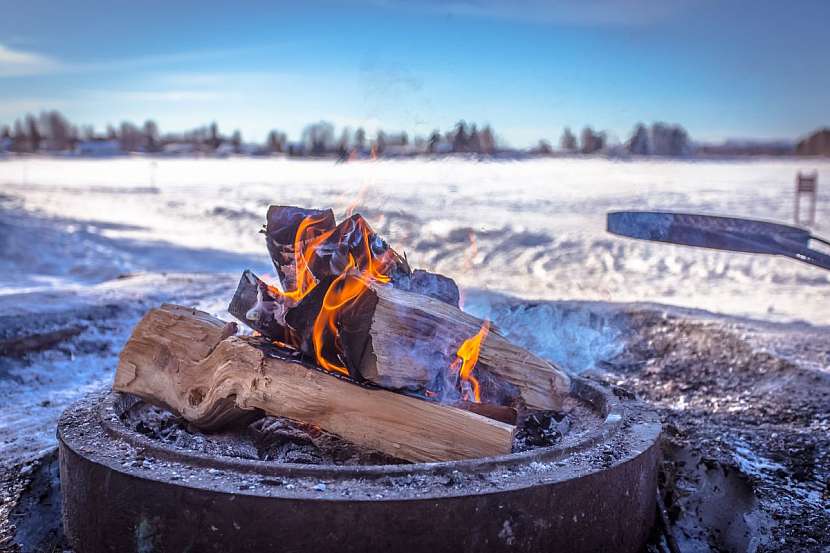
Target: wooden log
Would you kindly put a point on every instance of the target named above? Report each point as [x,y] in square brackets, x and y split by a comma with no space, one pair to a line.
[331,253]
[190,363]
[401,340]
[254,305]
[282,223]
[17,346]
[429,284]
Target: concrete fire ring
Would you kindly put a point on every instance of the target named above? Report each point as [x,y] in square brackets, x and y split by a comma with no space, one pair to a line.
[123,492]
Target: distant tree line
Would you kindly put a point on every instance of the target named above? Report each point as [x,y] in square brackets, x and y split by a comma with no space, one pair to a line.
[51,131]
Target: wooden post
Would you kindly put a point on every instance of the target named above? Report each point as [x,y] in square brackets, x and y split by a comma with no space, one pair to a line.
[806,183]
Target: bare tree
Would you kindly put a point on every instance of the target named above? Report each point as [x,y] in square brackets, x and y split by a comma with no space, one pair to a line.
[214,139]
[434,140]
[151,136]
[275,143]
[459,139]
[20,142]
[568,141]
[56,130]
[33,133]
[130,137]
[318,137]
[488,141]
[591,142]
[360,139]
[380,142]
[236,141]
[640,142]
[474,140]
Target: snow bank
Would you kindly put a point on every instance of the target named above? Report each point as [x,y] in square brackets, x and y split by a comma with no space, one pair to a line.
[532,228]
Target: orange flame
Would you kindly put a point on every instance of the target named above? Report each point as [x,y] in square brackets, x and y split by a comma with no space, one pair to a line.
[342,291]
[346,288]
[304,279]
[467,359]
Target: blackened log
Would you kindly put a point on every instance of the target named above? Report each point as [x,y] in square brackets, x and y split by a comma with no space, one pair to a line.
[429,284]
[282,223]
[254,305]
[17,346]
[331,255]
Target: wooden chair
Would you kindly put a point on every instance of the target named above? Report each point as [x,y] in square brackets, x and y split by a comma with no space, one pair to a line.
[806,183]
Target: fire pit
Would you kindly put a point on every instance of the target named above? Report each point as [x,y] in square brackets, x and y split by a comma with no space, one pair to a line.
[126,492]
[384,416]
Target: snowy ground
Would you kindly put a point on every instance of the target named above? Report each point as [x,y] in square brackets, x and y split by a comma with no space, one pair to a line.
[531,228]
[746,390]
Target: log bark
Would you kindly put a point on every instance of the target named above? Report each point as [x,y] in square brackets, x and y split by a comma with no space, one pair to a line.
[190,363]
[401,340]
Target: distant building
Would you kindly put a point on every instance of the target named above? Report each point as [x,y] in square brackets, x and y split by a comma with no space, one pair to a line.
[817,144]
[5,145]
[735,147]
[98,148]
[295,148]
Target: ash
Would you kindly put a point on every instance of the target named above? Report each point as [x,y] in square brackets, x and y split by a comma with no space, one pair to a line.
[541,429]
[267,439]
[746,414]
[282,440]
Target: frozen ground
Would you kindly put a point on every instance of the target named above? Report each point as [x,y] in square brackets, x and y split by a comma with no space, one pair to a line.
[531,228]
[744,393]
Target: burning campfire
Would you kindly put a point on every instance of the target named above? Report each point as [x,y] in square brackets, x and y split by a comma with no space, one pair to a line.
[348,338]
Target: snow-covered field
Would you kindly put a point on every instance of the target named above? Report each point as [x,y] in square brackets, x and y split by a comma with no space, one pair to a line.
[748,395]
[535,228]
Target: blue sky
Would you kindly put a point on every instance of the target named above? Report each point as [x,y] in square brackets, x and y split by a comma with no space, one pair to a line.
[748,69]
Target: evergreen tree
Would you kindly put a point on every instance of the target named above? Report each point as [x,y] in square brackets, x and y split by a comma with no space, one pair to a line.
[360,139]
[640,143]
[488,141]
[459,139]
[434,140]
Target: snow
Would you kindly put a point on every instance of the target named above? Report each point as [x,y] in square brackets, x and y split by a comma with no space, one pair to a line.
[533,228]
[184,229]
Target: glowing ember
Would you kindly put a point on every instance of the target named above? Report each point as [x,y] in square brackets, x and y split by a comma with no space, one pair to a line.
[466,361]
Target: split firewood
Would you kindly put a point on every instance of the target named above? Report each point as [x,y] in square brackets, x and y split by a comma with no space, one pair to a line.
[281,227]
[192,364]
[401,340]
[256,306]
[429,284]
[325,249]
